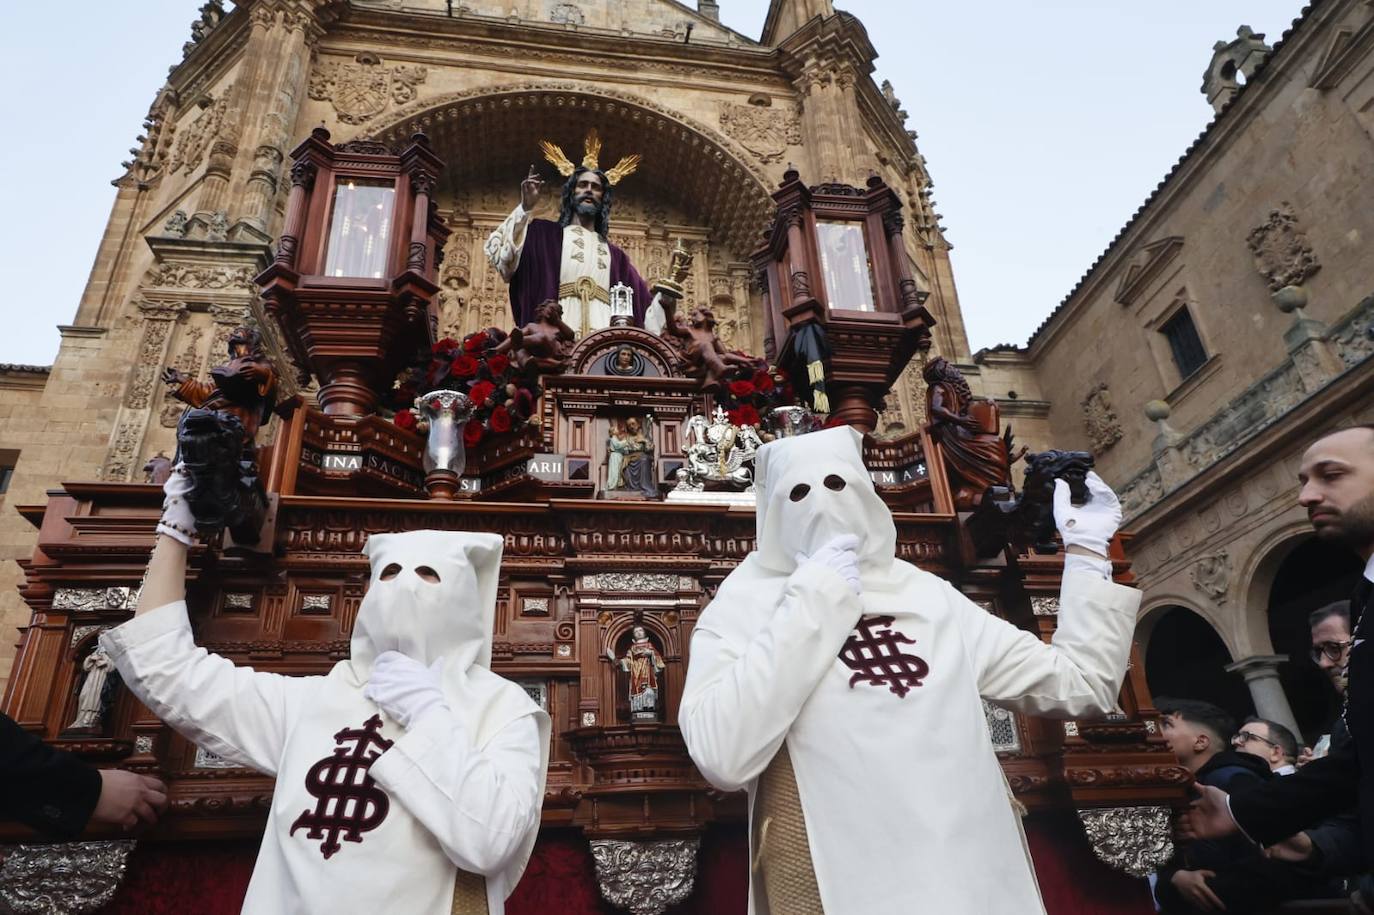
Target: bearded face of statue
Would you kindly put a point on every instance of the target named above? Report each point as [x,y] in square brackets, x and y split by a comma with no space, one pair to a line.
[588,192]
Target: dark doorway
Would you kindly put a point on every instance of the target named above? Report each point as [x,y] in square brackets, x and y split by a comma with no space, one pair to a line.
[1313,575]
[1186,659]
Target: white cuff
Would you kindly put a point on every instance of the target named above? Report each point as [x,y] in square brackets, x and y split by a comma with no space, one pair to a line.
[1094,565]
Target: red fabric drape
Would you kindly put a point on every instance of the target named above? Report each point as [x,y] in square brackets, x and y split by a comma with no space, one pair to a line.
[1072,880]
[210,878]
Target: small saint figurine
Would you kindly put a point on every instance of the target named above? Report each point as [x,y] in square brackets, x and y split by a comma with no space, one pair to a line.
[642,662]
[706,359]
[630,459]
[94,698]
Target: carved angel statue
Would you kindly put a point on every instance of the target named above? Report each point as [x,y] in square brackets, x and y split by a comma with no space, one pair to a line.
[93,698]
[642,662]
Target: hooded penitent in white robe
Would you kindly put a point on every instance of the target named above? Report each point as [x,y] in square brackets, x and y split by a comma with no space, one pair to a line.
[366,816]
[905,806]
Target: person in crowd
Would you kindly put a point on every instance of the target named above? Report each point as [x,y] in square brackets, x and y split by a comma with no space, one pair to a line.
[1331,849]
[59,795]
[1225,874]
[1271,742]
[1337,490]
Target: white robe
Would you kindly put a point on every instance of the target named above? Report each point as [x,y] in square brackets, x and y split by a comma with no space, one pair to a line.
[584,255]
[906,806]
[461,789]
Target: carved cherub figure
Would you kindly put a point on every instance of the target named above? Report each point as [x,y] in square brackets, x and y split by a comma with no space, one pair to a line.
[545,342]
[707,360]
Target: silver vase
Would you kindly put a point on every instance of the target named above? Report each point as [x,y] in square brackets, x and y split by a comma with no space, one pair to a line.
[790,421]
[444,414]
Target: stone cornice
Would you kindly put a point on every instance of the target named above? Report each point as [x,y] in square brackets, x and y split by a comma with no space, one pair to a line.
[491,36]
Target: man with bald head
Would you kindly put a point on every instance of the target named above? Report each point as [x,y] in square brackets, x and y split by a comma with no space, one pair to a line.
[1337,478]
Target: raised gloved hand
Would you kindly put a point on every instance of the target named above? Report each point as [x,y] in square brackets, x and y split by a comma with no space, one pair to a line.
[840,555]
[177,521]
[1090,526]
[405,689]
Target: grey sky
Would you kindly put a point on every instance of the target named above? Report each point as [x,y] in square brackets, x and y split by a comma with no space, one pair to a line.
[1045,125]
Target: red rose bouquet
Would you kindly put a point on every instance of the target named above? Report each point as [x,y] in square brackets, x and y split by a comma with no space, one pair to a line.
[503,397]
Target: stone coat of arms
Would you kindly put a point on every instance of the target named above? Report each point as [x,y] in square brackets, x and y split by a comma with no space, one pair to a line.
[361,90]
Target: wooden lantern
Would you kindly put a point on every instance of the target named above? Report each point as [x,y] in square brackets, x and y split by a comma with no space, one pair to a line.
[839,294]
[353,281]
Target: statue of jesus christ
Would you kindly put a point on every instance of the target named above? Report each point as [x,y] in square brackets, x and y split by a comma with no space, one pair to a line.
[571,260]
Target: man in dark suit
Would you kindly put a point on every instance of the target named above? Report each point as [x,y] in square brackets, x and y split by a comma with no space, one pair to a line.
[59,795]
[1337,477]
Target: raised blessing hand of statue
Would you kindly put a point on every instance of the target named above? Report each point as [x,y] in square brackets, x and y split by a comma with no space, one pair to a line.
[530,189]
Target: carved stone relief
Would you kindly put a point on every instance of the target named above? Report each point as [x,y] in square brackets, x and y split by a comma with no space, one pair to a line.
[1135,840]
[198,276]
[188,362]
[645,877]
[361,90]
[157,327]
[1212,575]
[1282,252]
[567,14]
[1104,429]
[765,132]
[195,139]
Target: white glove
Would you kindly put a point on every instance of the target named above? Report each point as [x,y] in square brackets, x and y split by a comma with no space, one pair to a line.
[839,554]
[405,689]
[177,521]
[1092,525]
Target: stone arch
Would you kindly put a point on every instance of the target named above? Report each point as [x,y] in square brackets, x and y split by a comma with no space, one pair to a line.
[495,131]
[1159,604]
[1186,657]
[1258,574]
[1290,574]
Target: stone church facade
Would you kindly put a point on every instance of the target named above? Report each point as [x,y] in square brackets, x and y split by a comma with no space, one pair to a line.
[1225,327]
[718,117]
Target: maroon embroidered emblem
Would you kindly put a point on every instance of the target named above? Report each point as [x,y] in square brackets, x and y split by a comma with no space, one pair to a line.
[874,653]
[350,803]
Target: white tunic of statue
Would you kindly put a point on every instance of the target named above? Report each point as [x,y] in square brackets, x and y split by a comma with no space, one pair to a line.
[461,789]
[906,808]
[584,273]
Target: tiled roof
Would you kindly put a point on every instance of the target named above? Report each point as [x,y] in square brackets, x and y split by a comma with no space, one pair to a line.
[1192,147]
[16,368]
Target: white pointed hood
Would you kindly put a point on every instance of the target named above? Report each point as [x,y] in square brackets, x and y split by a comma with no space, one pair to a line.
[451,618]
[797,512]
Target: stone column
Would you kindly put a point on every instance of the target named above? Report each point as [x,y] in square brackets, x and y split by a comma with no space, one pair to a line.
[279,91]
[1261,673]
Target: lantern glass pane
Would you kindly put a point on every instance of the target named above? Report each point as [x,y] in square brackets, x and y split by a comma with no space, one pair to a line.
[360,228]
[846,265]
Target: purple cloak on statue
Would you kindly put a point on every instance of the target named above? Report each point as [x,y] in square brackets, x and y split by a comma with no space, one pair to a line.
[536,279]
